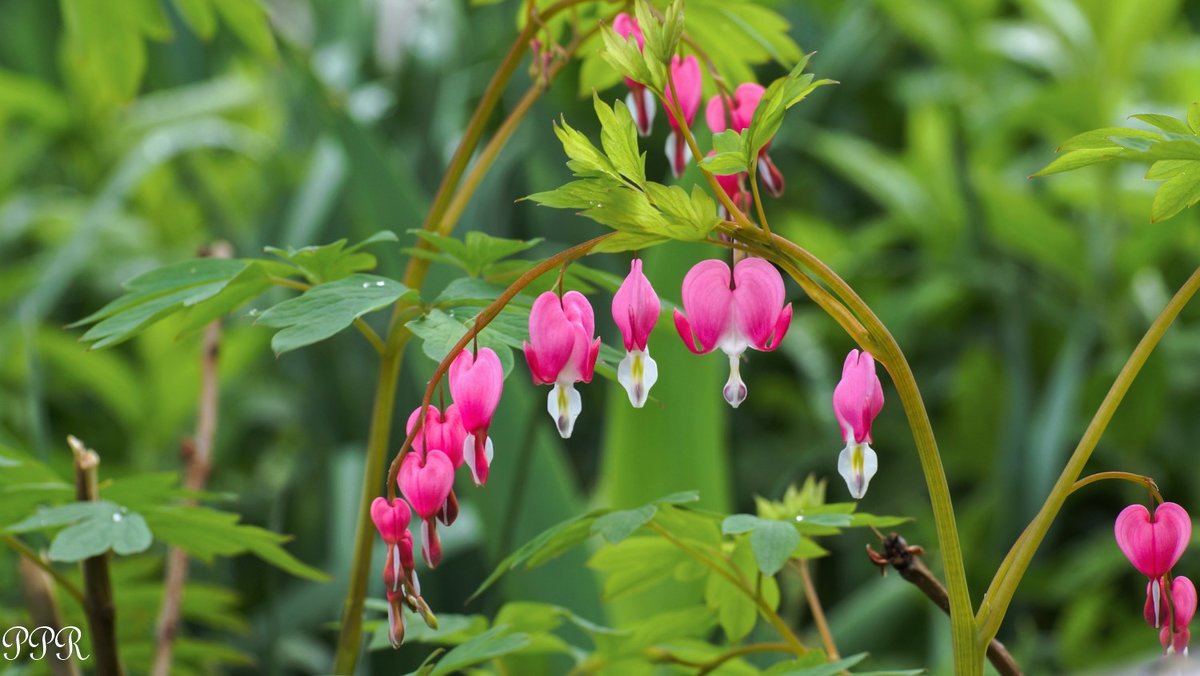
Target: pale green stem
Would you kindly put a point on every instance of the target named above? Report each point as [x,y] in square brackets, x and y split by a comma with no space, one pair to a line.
[1004,585]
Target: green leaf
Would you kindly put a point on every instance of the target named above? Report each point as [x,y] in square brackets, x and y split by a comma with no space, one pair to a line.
[1194,117]
[199,16]
[825,669]
[474,291]
[451,630]
[585,159]
[478,251]
[326,309]
[157,294]
[1164,122]
[616,526]
[618,137]
[492,643]
[92,529]
[1178,193]
[625,57]
[773,543]
[104,44]
[782,94]
[1101,138]
[248,21]
[331,262]
[636,564]
[1077,159]
[551,542]
[736,611]
[629,241]
[440,331]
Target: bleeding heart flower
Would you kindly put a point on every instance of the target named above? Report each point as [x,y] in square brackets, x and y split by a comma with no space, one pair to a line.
[640,100]
[733,185]
[443,431]
[1183,602]
[635,309]
[400,579]
[476,382]
[426,483]
[733,312]
[857,399]
[685,73]
[562,351]
[741,107]
[1153,545]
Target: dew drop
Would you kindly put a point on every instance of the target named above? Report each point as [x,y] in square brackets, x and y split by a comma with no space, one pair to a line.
[366,285]
[117,517]
[379,283]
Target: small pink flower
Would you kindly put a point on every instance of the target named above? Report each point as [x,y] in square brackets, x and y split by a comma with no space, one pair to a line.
[741,109]
[685,73]
[857,399]
[733,185]
[426,481]
[1183,602]
[640,100]
[635,309]
[733,312]
[476,382]
[399,576]
[443,431]
[562,351]
[1153,544]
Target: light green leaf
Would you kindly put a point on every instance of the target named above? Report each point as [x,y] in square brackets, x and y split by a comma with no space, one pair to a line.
[773,543]
[1101,138]
[625,57]
[616,526]
[199,16]
[440,331]
[736,611]
[331,262]
[492,643]
[478,252]
[248,20]
[1177,193]
[618,137]
[551,542]
[105,46]
[1077,159]
[1194,117]
[1164,122]
[326,309]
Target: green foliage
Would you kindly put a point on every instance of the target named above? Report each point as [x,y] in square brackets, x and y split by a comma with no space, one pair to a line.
[93,528]
[478,253]
[331,262]
[1173,151]
[329,308]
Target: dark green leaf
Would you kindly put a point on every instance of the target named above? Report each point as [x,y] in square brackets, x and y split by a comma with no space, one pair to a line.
[331,262]
[440,331]
[326,309]
[492,643]
[92,529]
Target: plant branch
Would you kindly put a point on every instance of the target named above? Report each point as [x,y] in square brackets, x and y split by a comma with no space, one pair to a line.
[814,606]
[97,586]
[906,561]
[796,646]
[37,589]
[481,321]
[21,548]
[708,666]
[1004,585]
[197,461]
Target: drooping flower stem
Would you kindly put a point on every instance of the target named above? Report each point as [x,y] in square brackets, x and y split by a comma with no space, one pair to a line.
[1148,482]
[481,321]
[1004,584]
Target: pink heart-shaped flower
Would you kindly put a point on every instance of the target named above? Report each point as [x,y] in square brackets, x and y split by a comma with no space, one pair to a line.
[426,482]
[1153,544]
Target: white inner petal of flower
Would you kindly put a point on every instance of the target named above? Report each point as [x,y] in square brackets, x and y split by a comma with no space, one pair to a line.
[637,373]
[564,405]
[857,464]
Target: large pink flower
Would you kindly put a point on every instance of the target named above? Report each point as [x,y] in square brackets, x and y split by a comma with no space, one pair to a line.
[476,382]
[733,311]
[1153,544]
[736,113]
[562,351]
[635,309]
[640,100]
[685,74]
[857,399]
[426,480]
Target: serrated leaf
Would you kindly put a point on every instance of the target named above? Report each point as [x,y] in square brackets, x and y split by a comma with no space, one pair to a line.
[618,137]
[625,57]
[616,526]
[1165,169]
[326,309]
[585,159]
[331,262]
[478,251]
[1164,122]
[1176,194]
[440,331]
[1100,138]
[492,643]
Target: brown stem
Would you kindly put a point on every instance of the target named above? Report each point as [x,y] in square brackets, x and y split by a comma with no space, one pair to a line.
[814,606]
[37,589]
[21,548]
[197,465]
[906,560]
[481,321]
[97,586]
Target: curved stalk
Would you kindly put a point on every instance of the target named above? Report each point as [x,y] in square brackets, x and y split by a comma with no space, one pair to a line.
[1146,482]
[1004,584]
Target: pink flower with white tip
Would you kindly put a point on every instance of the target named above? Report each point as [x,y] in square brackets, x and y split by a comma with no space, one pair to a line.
[476,382]
[733,311]
[741,107]
[685,74]
[635,309]
[443,431]
[640,100]
[562,351]
[391,518]
[1183,605]
[426,479]
[857,399]
[1153,544]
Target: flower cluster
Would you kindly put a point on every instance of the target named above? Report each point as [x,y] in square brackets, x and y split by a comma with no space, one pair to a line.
[722,112]
[1153,544]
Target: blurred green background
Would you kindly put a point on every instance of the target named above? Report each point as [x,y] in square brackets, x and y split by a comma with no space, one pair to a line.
[1015,300]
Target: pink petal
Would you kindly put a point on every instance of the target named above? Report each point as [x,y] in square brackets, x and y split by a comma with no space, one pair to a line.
[708,302]
[626,25]
[1153,546]
[758,298]
[551,338]
[476,382]
[772,178]
[685,73]
[1183,600]
[714,114]
[746,98]
[452,435]
[578,312]
[427,484]
[635,308]
[858,397]
[431,545]
[391,519]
